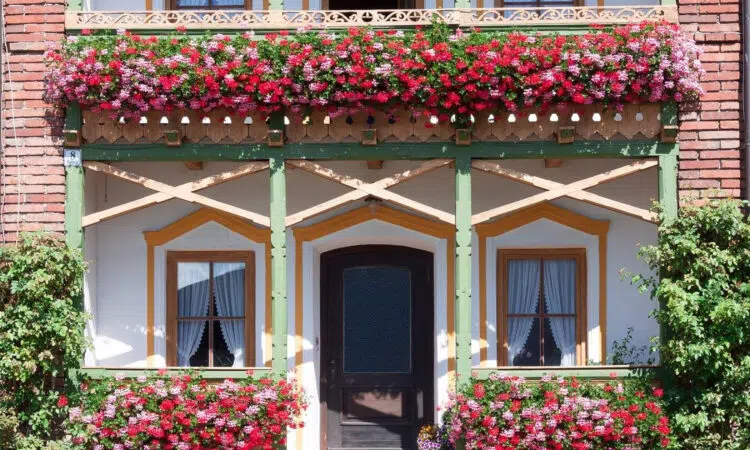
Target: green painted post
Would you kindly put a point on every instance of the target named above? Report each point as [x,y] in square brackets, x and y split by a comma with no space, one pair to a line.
[463,269]
[276,4]
[75,5]
[668,196]
[74,206]
[463,4]
[278,265]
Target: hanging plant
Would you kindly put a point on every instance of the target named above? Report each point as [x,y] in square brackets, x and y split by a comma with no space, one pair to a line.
[446,72]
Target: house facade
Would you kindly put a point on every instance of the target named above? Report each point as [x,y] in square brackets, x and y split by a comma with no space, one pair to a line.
[381,256]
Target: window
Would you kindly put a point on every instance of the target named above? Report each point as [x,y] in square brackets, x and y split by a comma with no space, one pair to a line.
[210,4]
[210,309]
[541,307]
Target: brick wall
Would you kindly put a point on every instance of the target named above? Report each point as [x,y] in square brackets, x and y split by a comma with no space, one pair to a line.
[710,156]
[31,160]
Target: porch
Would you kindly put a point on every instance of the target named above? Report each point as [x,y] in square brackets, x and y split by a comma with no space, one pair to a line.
[469,207]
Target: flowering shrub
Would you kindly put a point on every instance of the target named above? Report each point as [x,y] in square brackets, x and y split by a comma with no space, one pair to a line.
[508,413]
[445,71]
[184,412]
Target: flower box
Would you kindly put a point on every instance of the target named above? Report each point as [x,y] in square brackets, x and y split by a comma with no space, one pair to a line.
[463,136]
[275,138]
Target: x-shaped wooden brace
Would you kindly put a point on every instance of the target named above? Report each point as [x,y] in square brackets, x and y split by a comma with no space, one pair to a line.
[554,190]
[184,191]
[363,189]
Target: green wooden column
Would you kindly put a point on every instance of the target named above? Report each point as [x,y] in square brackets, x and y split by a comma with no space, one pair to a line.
[74,206]
[463,269]
[278,265]
[463,4]
[276,4]
[668,195]
[74,5]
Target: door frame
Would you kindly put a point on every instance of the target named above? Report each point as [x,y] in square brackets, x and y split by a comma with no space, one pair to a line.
[324,328]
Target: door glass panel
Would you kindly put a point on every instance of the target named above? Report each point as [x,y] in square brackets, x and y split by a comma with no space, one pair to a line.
[377,320]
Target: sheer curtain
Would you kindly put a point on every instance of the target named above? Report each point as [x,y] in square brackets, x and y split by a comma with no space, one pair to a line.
[560,295]
[229,284]
[192,301]
[523,298]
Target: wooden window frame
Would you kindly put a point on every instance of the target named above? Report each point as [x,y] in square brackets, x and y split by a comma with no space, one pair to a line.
[176,257]
[172,4]
[505,255]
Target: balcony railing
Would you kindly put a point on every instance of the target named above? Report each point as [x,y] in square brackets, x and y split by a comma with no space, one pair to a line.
[276,19]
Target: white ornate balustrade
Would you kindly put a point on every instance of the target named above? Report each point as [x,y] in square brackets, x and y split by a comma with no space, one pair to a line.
[277,19]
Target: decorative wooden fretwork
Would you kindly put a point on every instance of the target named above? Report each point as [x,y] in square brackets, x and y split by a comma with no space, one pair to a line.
[275,19]
[592,122]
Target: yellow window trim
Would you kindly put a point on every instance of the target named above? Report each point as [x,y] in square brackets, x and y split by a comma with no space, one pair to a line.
[525,216]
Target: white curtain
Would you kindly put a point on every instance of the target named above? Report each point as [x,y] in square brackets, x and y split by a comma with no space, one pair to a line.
[229,284]
[192,301]
[560,296]
[523,298]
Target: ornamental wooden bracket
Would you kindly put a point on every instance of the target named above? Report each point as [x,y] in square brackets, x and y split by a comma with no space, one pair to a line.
[363,189]
[574,190]
[184,191]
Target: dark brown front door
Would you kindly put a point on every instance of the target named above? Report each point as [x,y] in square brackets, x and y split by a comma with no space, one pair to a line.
[377,346]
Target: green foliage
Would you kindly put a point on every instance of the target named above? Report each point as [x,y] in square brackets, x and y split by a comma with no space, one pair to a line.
[624,352]
[702,259]
[41,330]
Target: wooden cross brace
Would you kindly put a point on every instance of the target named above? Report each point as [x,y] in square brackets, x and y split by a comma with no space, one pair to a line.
[184,191]
[575,190]
[363,189]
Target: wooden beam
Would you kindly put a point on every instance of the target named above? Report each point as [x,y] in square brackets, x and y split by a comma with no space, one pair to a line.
[583,196]
[371,189]
[176,192]
[191,186]
[386,151]
[565,190]
[352,196]
[374,164]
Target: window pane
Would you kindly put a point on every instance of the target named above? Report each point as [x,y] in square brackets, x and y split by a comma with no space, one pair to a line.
[377,320]
[192,289]
[229,343]
[192,343]
[523,286]
[560,341]
[229,289]
[560,286]
[228,3]
[523,341]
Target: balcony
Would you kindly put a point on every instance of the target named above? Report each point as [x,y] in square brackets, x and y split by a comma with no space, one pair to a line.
[516,17]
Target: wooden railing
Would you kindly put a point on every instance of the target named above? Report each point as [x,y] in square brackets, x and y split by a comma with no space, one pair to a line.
[277,19]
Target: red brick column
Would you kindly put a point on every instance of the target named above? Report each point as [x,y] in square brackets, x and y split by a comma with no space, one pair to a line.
[710,156]
[32,189]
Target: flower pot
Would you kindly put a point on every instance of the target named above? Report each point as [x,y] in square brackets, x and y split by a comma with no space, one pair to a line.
[275,138]
[669,134]
[72,138]
[566,135]
[369,137]
[173,138]
[463,136]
